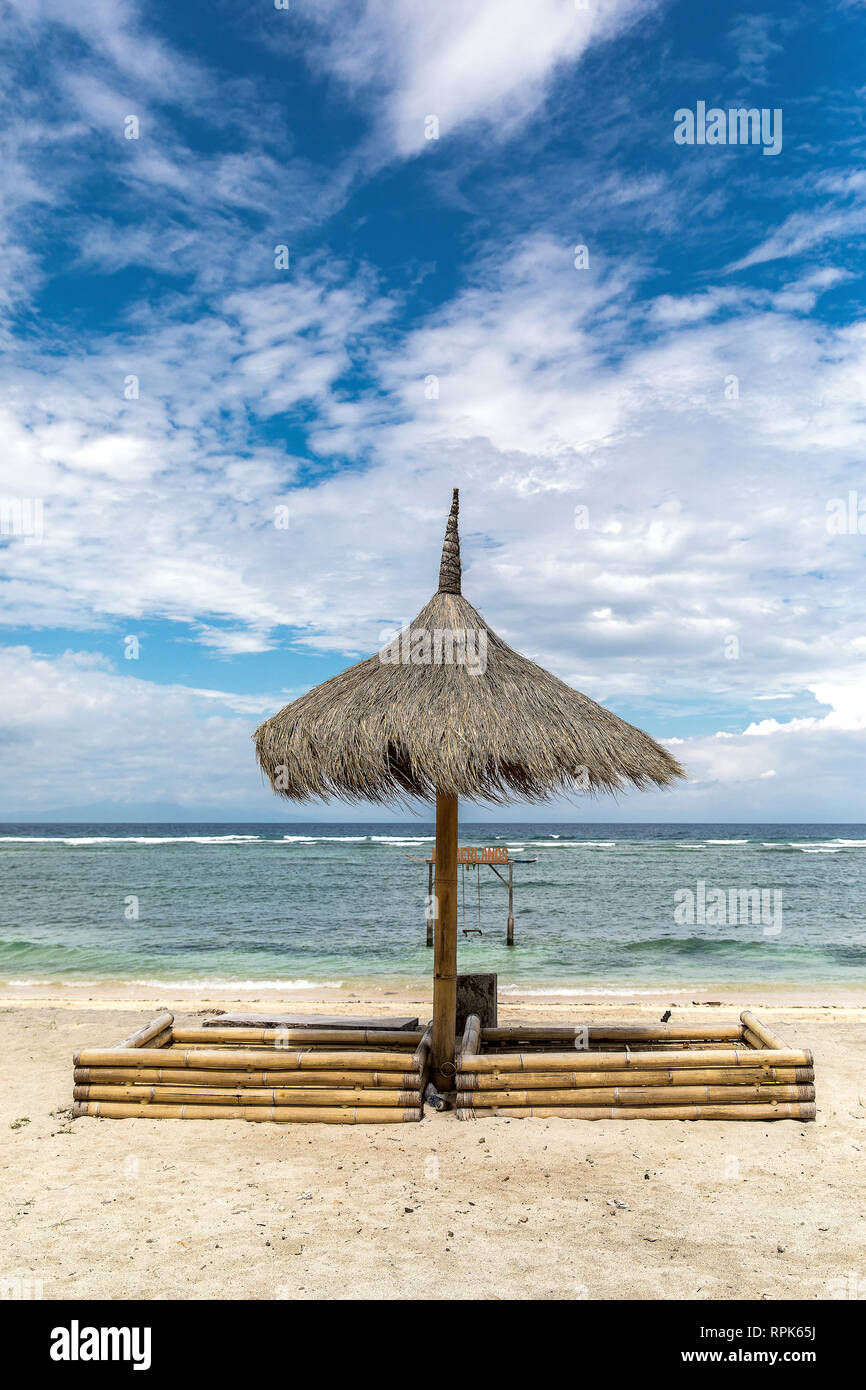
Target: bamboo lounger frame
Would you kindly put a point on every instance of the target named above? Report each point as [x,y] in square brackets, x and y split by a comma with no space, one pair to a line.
[659,1071]
[328,1075]
[713,1071]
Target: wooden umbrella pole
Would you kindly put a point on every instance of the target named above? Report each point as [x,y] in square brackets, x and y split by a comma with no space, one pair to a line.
[445,944]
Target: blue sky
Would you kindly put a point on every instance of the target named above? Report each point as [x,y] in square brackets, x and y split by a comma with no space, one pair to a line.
[697,387]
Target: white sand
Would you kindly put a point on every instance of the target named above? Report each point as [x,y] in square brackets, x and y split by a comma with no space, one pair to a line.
[491,1210]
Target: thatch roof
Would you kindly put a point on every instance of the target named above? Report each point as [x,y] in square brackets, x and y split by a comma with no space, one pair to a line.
[416,718]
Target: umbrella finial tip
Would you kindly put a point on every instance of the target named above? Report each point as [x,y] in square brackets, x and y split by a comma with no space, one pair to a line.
[449,570]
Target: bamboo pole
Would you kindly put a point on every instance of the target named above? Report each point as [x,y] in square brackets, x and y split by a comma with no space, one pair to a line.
[246,1048]
[752,1040]
[619,1061]
[471,1036]
[766,1035]
[430,913]
[334,1037]
[227,1059]
[470,1047]
[790,1111]
[615,1032]
[277,1095]
[708,1076]
[445,944]
[334,1115]
[421,1055]
[644,1095]
[151,1030]
[129,1076]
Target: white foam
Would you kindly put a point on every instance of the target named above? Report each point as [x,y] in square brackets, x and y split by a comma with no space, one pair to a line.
[574,844]
[401,839]
[130,839]
[322,839]
[197,984]
[595,990]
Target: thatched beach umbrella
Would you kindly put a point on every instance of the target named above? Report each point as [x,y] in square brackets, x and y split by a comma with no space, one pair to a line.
[449,710]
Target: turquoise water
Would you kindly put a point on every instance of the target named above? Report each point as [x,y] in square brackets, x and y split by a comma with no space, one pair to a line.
[287,905]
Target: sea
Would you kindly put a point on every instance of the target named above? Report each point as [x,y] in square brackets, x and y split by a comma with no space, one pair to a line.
[611,908]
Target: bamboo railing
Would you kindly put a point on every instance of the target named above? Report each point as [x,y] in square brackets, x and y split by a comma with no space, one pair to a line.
[329,1075]
[714,1071]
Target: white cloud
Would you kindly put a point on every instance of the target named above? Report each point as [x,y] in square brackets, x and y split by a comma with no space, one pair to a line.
[234,641]
[116,36]
[557,388]
[776,770]
[804,231]
[153,506]
[751,35]
[488,62]
[74,732]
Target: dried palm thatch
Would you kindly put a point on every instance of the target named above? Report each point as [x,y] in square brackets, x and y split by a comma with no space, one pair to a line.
[461,714]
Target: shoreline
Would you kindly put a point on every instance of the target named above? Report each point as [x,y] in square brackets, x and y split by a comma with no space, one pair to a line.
[363,996]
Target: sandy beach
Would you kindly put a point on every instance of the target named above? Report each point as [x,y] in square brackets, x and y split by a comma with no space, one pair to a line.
[499,1209]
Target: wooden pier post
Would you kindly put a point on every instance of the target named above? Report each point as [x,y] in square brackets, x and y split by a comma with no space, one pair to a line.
[431,904]
[509,940]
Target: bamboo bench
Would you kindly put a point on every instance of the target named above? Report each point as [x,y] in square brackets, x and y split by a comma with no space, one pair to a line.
[713,1071]
[325,1075]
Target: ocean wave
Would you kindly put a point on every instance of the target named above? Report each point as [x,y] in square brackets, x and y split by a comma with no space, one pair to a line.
[401,839]
[697,945]
[590,988]
[824,846]
[573,844]
[227,982]
[20,948]
[321,840]
[129,839]
[166,983]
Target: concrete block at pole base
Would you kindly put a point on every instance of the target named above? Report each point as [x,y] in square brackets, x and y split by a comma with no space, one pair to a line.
[476,994]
